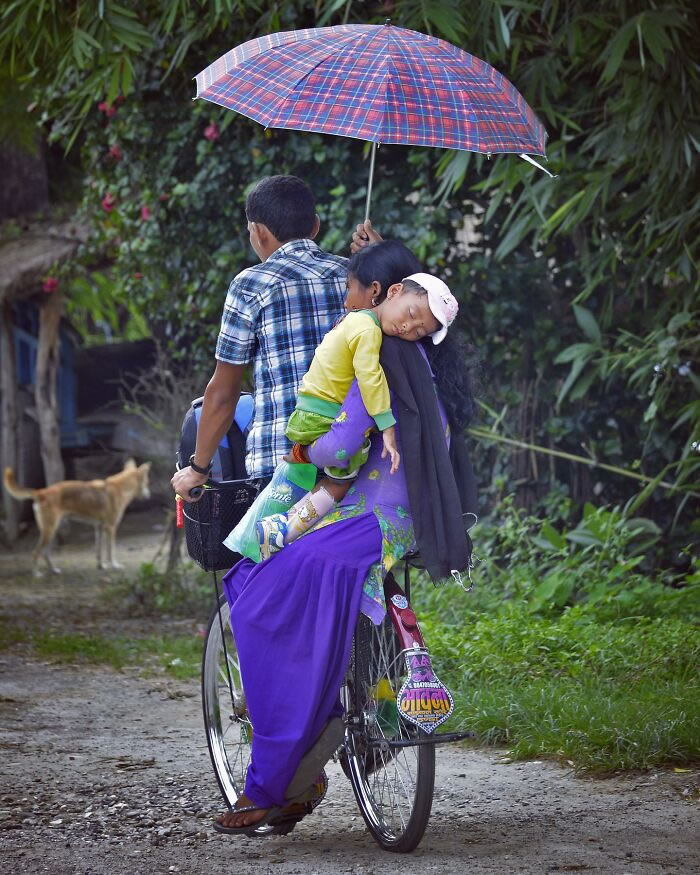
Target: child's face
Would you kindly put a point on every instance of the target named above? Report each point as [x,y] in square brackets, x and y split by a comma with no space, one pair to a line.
[406,315]
[359,297]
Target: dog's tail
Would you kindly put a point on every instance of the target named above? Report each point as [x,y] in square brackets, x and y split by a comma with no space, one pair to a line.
[15,490]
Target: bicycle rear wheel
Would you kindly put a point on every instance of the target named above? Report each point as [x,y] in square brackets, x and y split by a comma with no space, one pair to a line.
[393,784]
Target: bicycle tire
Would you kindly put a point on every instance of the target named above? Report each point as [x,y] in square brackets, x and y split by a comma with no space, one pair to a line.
[393,786]
[226,721]
[229,740]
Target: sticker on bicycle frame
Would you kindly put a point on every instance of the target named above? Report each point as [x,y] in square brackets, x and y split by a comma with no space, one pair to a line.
[423,699]
[400,601]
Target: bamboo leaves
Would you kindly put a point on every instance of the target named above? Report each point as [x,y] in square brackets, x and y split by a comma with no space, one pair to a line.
[580,355]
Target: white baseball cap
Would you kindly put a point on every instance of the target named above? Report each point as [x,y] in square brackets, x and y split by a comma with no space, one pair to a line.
[443,304]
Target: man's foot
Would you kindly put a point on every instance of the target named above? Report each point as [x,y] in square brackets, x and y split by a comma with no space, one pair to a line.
[246,817]
[271,533]
[236,819]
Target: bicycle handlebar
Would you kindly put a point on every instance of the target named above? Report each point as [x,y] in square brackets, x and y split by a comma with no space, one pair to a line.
[195,492]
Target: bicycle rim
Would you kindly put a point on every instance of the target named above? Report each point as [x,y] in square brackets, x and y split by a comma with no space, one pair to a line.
[226,722]
[393,785]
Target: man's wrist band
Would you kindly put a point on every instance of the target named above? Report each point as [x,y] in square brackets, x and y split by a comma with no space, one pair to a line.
[198,469]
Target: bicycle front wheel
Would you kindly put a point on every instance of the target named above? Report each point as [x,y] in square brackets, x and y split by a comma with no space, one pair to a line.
[393,783]
[228,729]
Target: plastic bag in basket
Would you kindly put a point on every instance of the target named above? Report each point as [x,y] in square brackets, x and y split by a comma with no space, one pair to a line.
[289,483]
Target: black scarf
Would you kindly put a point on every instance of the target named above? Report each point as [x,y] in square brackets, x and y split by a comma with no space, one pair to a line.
[441,485]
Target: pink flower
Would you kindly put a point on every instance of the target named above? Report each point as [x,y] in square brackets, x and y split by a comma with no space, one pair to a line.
[115,152]
[145,213]
[108,202]
[211,132]
[138,275]
[50,285]
[108,110]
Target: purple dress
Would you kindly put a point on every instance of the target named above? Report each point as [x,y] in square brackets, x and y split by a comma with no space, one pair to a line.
[293,616]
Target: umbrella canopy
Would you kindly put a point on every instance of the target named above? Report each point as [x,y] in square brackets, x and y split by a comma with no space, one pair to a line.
[380,83]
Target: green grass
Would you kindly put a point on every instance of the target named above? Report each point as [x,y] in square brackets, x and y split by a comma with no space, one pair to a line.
[179,657]
[185,592]
[11,635]
[602,694]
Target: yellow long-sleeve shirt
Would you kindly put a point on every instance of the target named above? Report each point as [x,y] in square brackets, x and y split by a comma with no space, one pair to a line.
[349,351]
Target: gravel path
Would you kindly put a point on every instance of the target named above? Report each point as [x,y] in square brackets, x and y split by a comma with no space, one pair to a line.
[108,772]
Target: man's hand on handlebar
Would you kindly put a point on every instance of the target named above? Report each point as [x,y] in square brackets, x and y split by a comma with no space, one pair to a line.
[186,479]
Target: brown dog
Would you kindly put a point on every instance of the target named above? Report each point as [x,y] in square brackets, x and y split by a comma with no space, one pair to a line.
[100,502]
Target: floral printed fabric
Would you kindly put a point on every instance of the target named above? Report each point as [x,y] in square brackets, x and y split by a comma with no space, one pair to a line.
[375,491]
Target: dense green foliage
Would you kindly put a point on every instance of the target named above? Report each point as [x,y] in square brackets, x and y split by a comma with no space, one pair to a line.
[581,294]
[577,655]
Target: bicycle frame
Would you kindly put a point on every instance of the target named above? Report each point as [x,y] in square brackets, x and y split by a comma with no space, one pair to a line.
[424,700]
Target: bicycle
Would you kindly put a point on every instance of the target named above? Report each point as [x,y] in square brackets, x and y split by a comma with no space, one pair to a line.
[393,702]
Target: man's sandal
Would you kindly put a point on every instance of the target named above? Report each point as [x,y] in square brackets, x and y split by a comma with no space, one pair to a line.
[280,820]
[271,814]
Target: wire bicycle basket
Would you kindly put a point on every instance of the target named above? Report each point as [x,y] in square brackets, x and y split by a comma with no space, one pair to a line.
[209,520]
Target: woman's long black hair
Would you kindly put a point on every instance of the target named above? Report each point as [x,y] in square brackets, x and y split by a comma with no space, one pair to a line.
[387,262]
[453,363]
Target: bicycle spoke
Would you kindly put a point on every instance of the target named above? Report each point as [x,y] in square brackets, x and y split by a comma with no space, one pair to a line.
[393,785]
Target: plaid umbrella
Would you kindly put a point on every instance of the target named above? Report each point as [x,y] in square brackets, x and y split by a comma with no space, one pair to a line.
[379,83]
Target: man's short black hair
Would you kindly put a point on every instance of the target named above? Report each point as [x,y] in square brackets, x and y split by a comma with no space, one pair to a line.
[285,204]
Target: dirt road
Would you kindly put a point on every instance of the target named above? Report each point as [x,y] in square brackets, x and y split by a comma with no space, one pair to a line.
[108,772]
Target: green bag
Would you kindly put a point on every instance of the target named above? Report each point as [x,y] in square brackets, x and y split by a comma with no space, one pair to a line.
[290,482]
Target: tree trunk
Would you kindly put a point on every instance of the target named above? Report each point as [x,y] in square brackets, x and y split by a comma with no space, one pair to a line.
[8,415]
[45,388]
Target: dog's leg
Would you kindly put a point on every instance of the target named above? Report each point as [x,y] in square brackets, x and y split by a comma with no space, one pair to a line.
[47,524]
[111,532]
[49,560]
[98,543]
[36,555]
[105,557]
[43,548]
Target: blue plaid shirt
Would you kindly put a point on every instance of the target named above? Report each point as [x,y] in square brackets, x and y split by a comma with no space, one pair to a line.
[275,315]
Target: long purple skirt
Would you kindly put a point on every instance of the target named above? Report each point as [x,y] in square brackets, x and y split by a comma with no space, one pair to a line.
[293,619]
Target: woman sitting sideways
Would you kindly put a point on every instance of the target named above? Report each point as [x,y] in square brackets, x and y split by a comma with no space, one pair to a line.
[293,616]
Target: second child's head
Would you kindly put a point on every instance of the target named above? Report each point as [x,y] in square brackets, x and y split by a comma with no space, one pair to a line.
[280,209]
[419,306]
[373,269]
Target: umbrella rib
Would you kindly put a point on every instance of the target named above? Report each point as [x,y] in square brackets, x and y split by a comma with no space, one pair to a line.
[516,101]
[383,59]
[292,88]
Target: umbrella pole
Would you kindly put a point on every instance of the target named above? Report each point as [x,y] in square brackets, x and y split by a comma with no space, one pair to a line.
[375,146]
